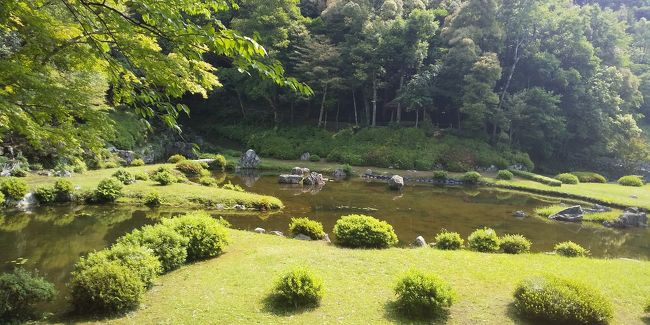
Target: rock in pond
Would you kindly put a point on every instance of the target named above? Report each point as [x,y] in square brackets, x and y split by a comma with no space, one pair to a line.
[305,156]
[276,233]
[249,159]
[299,171]
[239,207]
[289,179]
[339,173]
[302,237]
[631,217]
[570,214]
[313,179]
[260,230]
[396,182]
[520,214]
[420,242]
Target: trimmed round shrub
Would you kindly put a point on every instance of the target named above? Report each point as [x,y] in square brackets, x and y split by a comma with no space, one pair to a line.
[124,176]
[567,178]
[448,240]
[137,162]
[440,175]
[471,178]
[152,199]
[570,249]
[141,176]
[232,187]
[590,177]
[514,244]
[108,190]
[505,175]
[45,194]
[190,168]
[63,189]
[314,158]
[423,294]
[135,257]
[631,180]
[556,300]
[219,163]
[357,230]
[206,236]
[106,287]
[311,228]
[21,291]
[164,177]
[299,287]
[484,240]
[176,158]
[13,188]
[167,245]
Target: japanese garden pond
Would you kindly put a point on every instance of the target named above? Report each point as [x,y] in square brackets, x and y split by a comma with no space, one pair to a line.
[51,239]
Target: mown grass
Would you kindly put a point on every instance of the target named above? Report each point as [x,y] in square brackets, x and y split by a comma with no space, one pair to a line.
[547,211]
[186,194]
[232,289]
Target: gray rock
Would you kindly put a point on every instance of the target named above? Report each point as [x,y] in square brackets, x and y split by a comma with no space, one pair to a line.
[327,239]
[63,173]
[520,214]
[289,179]
[631,217]
[302,237]
[300,171]
[570,214]
[634,196]
[420,242]
[47,173]
[220,206]
[276,233]
[313,179]
[127,155]
[249,159]
[396,182]
[339,173]
[305,156]
[260,230]
[27,202]
[597,208]
[368,172]
[239,207]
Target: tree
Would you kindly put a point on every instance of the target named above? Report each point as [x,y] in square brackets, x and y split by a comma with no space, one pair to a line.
[479,99]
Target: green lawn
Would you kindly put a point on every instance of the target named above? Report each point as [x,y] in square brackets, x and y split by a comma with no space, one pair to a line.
[186,194]
[231,289]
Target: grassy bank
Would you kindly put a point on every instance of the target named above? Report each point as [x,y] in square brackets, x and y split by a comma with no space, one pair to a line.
[232,288]
[185,194]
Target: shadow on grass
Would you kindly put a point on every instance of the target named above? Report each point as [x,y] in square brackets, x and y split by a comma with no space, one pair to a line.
[75,317]
[393,314]
[645,320]
[275,306]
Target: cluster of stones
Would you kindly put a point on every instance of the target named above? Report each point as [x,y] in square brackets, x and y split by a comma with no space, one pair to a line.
[304,176]
[260,230]
[631,217]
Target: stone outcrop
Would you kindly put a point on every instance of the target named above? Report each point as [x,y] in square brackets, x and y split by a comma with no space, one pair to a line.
[305,156]
[313,179]
[396,182]
[289,179]
[420,242]
[249,160]
[300,171]
[630,218]
[570,214]
[339,173]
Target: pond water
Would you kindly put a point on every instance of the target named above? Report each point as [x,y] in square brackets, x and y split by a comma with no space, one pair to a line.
[51,239]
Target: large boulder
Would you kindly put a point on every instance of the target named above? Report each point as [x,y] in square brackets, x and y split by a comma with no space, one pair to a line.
[127,155]
[289,179]
[339,173]
[396,182]
[570,214]
[313,179]
[305,156]
[420,242]
[300,171]
[631,217]
[249,159]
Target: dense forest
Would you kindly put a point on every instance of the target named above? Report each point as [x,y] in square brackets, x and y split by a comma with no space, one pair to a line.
[559,80]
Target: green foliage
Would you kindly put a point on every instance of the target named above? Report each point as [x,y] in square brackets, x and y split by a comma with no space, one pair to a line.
[631,180]
[311,228]
[108,190]
[505,175]
[314,158]
[124,176]
[440,175]
[141,176]
[63,189]
[556,300]
[2,199]
[423,294]
[13,188]
[21,291]
[448,240]
[537,178]
[164,177]
[207,181]
[45,194]
[130,131]
[219,163]
[590,177]
[570,249]
[19,172]
[167,245]
[232,187]
[298,287]
[471,178]
[484,240]
[191,168]
[206,236]
[137,162]
[364,231]
[152,199]
[106,287]
[514,244]
[567,178]
[176,159]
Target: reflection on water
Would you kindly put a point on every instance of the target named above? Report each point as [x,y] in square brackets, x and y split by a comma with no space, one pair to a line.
[52,239]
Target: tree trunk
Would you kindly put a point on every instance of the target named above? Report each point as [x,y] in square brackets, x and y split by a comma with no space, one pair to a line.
[338,108]
[366,108]
[322,106]
[505,87]
[354,103]
[417,117]
[274,108]
[241,103]
[374,101]
[399,105]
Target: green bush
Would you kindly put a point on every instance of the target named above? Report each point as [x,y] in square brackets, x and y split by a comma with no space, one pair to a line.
[505,175]
[124,176]
[106,287]
[141,176]
[176,158]
[314,158]
[45,194]
[13,188]
[63,189]
[191,168]
[471,178]
[364,231]
[206,236]
[19,172]
[514,244]
[448,240]
[207,181]
[536,178]
[219,163]
[137,258]
[21,291]
[232,187]
[2,199]
[307,227]
[299,287]
[137,162]
[423,294]
[590,177]
[484,240]
[567,178]
[164,177]
[152,199]
[570,249]
[168,245]
[440,175]
[631,180]
[556,300]
[108,190]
